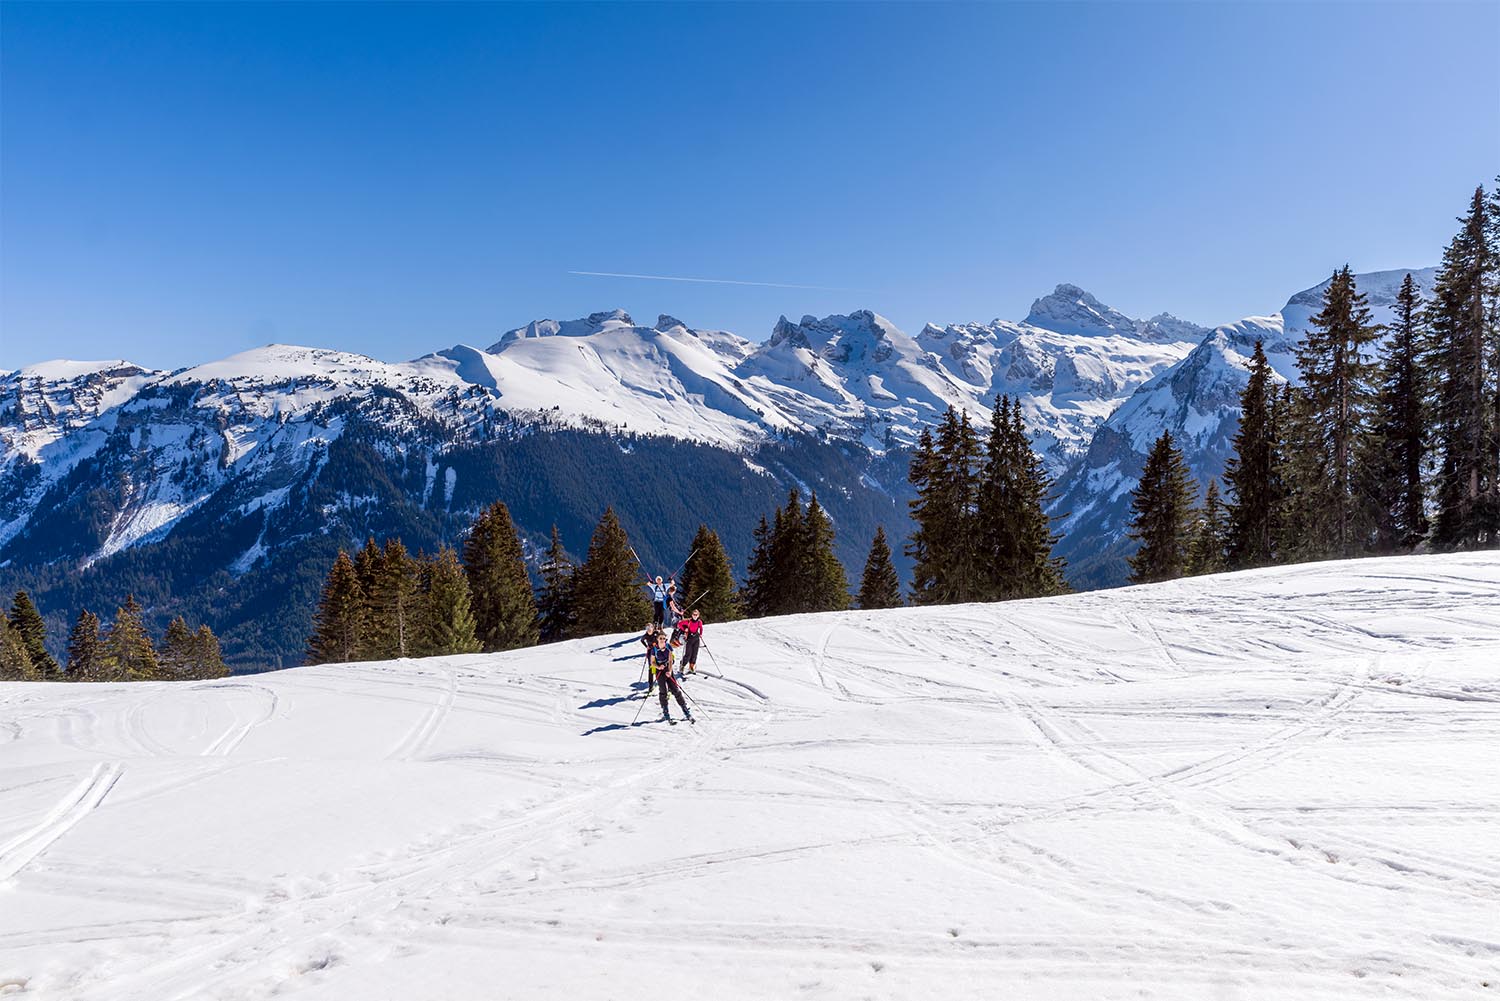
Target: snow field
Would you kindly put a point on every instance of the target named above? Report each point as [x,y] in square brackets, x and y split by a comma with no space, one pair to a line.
[1273,784]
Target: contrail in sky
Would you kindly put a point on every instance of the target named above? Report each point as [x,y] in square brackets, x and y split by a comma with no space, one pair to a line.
[710,281]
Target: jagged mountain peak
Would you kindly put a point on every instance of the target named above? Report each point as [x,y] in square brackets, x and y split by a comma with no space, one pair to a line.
[1069,309]
[581,327]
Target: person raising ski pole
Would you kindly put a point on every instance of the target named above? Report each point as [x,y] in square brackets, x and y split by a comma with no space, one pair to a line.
[661,666]
[658,600]
[691,630]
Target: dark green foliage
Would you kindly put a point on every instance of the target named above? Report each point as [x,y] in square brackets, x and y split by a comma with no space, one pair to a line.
[1464,358]
[85,650]
[176,655]
[342,617]
[26,621]
[128,652]
[1161,508]
[1210,536]
[607,592]
[1013,531]
[555,597]
[207,657]
[15,662]
[825,585]
[708,579]
[1391,456]
[1251,474]
[794,567]
[945,546]
[505,613]
[757,598]
[393,598]
[445,622]
[879,586]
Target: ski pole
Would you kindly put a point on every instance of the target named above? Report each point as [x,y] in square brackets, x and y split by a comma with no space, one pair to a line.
[684,563]
[713,658]
[640,707]
[684,691]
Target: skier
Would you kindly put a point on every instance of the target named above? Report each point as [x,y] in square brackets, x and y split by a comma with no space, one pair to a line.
[659,598]
[673,609]
[648,640]
[661,665]
[691,629]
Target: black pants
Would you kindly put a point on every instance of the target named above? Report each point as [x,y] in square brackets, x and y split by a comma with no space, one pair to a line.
[690,649]
[658,612]
[665,680]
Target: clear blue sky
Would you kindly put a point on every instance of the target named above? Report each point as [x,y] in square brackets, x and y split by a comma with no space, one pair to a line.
[181,181]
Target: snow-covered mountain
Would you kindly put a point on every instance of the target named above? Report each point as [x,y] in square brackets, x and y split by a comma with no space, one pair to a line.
[1197,399]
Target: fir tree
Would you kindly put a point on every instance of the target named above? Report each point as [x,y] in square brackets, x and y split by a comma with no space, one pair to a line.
[1465,364]
[1036,572]
[446,622]
[208,659]
[85,653]
[555,599]
[944,546]
[607,595]
[1302,522]
[177,657]
[15,662]
[27,621]
[924,541]
[1393,454]
[708,579]
[755,596]
[879,586]
[128,653]
[826,584]
[367,569]
[1206,550]
[393,602]
[340,625]
[1161,507]
[789,581]
[1336,393]
[504,608]
[1251,472]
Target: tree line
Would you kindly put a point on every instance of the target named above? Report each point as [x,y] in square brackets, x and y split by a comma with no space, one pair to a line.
[1376,452]
[122,651]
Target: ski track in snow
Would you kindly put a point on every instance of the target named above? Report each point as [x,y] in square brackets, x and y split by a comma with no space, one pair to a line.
[1270,784]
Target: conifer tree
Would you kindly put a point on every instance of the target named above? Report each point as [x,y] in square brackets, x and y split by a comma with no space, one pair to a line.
[177,657]
[1036,571]
[708,579]
[789,564]
[879,586]
[446,622]
[1465,363]
[555,599]
[393,600]
[208,658]
[755,596]
[1301,524]
[505,612]
[607,594]
[1251,472]
[1206,550]
[944,544]
[1161,507]
[15,662]
[923,543]
[1393,453]
[367,568]
[85,653]
[27,621]
[342,618]
[1334,414]
[826,584]
[128,652]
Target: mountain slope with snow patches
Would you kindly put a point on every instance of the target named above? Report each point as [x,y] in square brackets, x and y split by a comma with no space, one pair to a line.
[1276,783]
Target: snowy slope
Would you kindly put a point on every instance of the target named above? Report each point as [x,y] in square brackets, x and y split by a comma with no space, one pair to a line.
[1275,784]
[1198,400]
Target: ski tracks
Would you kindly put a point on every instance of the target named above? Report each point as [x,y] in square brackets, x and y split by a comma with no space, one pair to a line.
[417,739]
[231,738]
[82,800]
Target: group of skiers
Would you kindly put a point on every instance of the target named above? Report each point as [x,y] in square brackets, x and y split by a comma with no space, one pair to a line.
[661,644]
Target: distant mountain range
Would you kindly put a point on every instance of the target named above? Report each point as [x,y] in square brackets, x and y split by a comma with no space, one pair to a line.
[205,488]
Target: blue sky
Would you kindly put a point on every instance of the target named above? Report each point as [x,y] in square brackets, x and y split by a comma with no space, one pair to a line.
[180,182]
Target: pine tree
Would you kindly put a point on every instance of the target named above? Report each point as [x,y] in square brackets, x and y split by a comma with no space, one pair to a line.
[15,662]
[85,652]
[555,599]
[1393,453]
[1036,572]
[505,612]
[925,540]
[607,588]
[445,621]
[826,582]
[339,627]
[27,621]
[1161,506]
[1251,473]
[755,596]
[1303,520]
[1336,392]
[944,547]
[1206,550]
[128,653]
[1465,363]
[393,602]
[708,579]
[177,657]
[208,659]
[879,586]
[789,582]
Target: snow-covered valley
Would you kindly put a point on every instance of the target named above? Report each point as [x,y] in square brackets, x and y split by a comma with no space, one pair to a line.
[1278,783]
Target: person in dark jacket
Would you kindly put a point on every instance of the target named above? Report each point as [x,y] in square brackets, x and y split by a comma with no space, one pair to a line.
[661,666]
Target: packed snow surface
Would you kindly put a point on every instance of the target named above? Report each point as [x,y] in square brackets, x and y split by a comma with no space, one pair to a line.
[1274,784]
